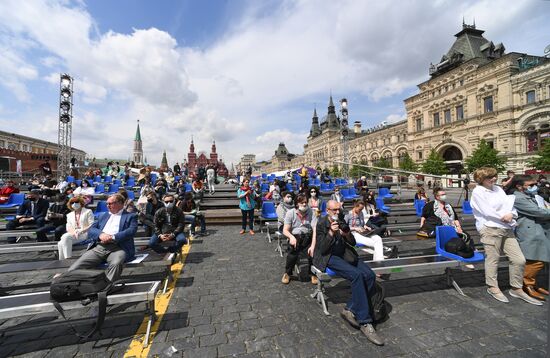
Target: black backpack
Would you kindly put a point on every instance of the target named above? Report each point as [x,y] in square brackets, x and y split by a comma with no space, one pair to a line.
[462,246]
[380,307]
[84,285]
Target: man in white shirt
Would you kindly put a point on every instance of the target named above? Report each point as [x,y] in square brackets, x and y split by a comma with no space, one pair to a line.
[211,178]
[113,240]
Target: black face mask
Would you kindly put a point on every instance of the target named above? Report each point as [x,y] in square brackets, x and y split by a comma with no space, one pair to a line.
[33,199]
[150,200]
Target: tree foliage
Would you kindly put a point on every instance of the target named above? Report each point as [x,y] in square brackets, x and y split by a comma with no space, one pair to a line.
[335,172]
[356,170]
[485,156]
[542,160]
[434,164]
[407,163]
[383,163]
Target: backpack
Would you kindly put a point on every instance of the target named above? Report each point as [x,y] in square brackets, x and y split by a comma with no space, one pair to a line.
[84,285]
[380,308]
[462,246]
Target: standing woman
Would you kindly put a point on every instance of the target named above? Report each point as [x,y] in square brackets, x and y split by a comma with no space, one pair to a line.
[247,196]
[533,233]
[79,221]
[496,220]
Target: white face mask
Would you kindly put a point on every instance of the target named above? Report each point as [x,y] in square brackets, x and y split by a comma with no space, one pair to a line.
[303,209]
[334,217]
[75,206]
[443,197]
[313,195]
[288,200]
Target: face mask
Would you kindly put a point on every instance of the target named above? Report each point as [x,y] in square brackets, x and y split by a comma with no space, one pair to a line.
[303,209]
[150,200]
[313,195]
[75,206]
[443,197]
[169,206]
[334,217]
[532,189]
[288,200]
[33,199]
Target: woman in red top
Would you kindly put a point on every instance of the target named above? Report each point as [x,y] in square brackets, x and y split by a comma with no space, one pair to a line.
[7,190]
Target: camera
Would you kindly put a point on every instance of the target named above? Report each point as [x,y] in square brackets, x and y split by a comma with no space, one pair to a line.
[342,224]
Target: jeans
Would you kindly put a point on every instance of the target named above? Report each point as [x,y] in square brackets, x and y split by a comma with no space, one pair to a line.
[155,240]
[250,215]
[41,232]
[362,285]
[293,255]
[192,218]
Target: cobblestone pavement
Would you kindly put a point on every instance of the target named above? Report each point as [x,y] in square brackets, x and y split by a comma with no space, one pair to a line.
[229,302]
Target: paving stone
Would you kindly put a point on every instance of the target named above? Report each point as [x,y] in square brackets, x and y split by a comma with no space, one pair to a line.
[231,349]
[213,340]
[202,352]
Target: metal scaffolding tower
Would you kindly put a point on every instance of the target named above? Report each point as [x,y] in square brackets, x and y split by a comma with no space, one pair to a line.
[345,137]
[65,124]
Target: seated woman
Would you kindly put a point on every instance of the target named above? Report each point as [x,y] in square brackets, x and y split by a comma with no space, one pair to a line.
[79,220]
[314,200]
[192,215]
[373,217]
[421,195]
[284,206]
[129,205]
[85,190]
[299,228]
[337,196]
[365,235]
[438,212]
[198,190]
[275,191]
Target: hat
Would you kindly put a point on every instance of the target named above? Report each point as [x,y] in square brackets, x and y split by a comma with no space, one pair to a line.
[363,178]
[35,191]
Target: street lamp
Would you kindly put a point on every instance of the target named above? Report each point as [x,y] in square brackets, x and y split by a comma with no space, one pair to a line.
[345,136]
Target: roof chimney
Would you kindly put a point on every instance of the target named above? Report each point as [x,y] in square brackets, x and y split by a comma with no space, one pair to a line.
[357,127]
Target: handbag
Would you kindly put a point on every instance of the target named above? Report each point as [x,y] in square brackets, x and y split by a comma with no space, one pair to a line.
[350,255]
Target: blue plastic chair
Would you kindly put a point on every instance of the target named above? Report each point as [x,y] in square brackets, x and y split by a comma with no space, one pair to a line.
[345,194]
[14,200]
[70,179]
[117,182]
[97,179]
[188,187]
[131,195]
[289,187]
[264,175]
[101,208]
[78,182]
[324,188]
[442,235]
[268,211]
[331,186]
[131,182]
[323,208]
[419,205]
[113,188]
[467,208]
[264,188]
[100,188]
[381,206]
[108,179]
[354,193]
[385,193]
[177,178]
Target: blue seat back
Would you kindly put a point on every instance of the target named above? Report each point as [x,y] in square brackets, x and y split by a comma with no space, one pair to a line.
[131,181]
[188,187]
[16,199]
[70,179]
[419,205]
[324,187]
[97,179]
[331,186]
[264,175]
[442,235]
[268,210]
[177,178]
[101,207]
[289,187]
[467,208]
[323,208]
[113,188]
[117,182]
[78,182]
[100,188]
[383,191]
[108,179]
[264,188]
[345,193]
[131,195]
[381,206]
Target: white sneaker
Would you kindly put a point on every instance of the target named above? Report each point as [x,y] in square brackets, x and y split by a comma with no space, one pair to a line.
[523,296]
[499,296]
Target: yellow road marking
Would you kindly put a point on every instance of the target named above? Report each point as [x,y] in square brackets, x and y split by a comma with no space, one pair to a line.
[136,348]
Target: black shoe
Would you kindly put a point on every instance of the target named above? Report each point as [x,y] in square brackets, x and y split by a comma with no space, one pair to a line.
[394,253]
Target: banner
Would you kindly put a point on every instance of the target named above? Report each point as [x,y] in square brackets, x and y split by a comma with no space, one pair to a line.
[19,167]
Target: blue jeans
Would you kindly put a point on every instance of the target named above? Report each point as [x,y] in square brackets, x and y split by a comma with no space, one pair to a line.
[362,282]
[154,243]
[192,218]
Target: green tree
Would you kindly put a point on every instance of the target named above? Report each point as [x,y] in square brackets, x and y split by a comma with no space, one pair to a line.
[542,160]
[485,156]
[434,164]
[383,163]
[356,170]
[335,172]
[407,163]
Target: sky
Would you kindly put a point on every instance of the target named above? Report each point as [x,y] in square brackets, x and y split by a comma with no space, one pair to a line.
[245,73]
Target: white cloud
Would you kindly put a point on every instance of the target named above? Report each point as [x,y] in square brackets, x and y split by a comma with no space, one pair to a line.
[394,118]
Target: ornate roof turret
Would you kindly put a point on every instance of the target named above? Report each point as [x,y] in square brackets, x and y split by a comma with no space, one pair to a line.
[138,133]
[192,146]
[315,129]
[332,119]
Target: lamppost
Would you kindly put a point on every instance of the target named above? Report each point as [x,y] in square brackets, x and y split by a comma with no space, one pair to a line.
[345,136]
[65,124]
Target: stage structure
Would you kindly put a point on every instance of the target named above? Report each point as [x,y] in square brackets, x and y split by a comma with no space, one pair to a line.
[65,124]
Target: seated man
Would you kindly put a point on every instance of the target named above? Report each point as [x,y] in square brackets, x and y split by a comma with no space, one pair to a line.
[7,190]
[113,240]
[146,215]
[192,215]
[298,228]
[32,212]
[362,185]
[334,249]
[169,224]
[56,219]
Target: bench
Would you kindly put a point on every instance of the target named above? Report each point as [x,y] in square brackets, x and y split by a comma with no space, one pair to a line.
[149,259]
[51,246]
[39,302]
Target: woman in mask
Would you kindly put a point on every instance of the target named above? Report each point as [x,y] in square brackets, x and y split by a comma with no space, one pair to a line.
[314,200]
[337,196]
[299,228]
[366,235]
[437,213]
[79,220]
[496,220]
[85,190]
[532,232]
[374,219]
[284,206]
[247,202]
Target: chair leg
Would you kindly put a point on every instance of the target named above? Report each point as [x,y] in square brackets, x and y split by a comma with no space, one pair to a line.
[152,319]
[451,281]
[319,295]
